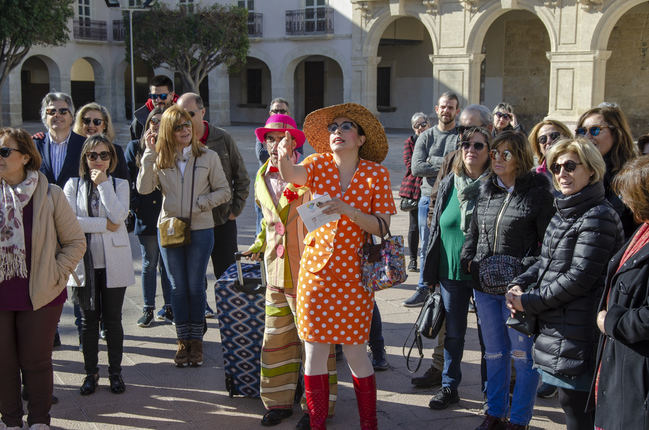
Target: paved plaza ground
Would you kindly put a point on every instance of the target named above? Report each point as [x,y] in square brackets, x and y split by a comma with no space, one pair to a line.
[161,396]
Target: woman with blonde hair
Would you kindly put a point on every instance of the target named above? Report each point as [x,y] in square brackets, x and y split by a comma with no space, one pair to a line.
[92,119]
[191,180]
[563,287]
[542,137]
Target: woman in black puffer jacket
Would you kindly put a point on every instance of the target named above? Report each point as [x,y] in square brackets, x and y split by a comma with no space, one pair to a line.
[510,218]
[564,286]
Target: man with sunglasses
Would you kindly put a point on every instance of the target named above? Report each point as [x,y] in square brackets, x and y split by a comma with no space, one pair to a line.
[161,95]
[225,215]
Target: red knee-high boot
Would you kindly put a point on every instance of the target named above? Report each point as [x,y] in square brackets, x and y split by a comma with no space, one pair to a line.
[365,389]
[316,388]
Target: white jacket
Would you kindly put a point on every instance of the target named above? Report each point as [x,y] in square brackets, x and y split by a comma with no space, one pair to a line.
[117,248]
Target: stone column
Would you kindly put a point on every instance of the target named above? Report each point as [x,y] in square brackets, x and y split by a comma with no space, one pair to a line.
[11,100]
[363,82]
[459,73]
[577,82]
[219,90]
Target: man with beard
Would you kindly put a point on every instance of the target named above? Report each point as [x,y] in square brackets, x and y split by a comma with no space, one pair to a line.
[427,158]
[162,95]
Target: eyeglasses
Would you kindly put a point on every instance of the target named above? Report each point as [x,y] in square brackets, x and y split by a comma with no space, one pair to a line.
[53,111]
[548,138]
[162,96]
[506,155]
[95,121]
[92,156]
[154,121]
[593,131]
[503,115]
[279,111]
[478,146]
[180,127]
[569,166]
[5,151]
[345,126]
[420,125]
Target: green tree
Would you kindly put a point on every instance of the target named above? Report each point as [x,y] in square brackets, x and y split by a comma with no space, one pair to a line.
[25,23]
[191,42]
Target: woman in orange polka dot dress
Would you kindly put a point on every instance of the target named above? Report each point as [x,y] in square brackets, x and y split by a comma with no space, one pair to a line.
[333,305]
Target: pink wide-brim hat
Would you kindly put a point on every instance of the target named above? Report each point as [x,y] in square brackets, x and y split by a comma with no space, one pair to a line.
[279,122]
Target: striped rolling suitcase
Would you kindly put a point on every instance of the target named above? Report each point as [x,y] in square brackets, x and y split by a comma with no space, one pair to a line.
[240,309]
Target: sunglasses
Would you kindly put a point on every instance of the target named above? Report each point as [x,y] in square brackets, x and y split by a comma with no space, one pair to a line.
[466,145]
[593,131]
[95,121]
[345,126]
[162,96]
[279,111]
[506,155]
[53,111]
[180,127]
[5,151]
[92,156]
[503,115]
[548,138]
[420,125]
[154,121]
[569,166]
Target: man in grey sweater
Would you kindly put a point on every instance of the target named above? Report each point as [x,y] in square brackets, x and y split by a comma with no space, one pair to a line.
[427,158]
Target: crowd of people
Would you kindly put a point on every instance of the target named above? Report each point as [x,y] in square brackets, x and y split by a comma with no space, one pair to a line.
[548,228]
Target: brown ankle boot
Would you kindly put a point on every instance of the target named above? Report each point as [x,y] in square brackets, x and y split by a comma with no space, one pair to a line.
[182,354]
[196,352]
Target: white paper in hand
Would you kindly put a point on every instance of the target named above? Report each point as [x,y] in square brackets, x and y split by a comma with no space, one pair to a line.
[312,216]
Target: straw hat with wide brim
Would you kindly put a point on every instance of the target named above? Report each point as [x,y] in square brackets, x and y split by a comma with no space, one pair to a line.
[375,147]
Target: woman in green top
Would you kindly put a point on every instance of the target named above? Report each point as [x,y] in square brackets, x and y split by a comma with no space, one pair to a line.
[456,199]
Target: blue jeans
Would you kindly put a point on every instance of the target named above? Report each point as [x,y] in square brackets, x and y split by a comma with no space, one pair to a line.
[186,268]
[455,295]
[424,232]
[150,261]
[502,344]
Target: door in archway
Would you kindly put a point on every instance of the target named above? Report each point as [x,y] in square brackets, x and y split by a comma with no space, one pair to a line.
[35,83]
[82,82]
[313,86]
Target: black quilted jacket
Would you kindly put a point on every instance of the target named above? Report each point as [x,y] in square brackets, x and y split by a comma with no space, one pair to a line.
[565,284]
[508,223]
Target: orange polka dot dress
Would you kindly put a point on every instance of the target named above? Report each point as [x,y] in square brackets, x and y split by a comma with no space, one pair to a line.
[332,304]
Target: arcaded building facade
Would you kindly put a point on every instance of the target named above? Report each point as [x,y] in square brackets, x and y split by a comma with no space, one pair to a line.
[552,58]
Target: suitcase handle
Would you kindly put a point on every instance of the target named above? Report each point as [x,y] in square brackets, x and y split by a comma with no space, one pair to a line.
[242,283]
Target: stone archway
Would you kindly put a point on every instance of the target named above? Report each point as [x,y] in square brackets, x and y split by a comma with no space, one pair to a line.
[627,69]
[38,76]
[82,82]
[404,73]
[318,82]
[515,68]
[250,92]
[143,75]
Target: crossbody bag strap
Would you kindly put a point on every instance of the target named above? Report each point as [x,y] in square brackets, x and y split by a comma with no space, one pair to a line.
[191,199]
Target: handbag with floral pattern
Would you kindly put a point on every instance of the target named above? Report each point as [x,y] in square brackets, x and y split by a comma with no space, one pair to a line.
[383,265]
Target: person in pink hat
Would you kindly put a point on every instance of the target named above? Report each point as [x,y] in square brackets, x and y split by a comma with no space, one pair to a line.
[281,240]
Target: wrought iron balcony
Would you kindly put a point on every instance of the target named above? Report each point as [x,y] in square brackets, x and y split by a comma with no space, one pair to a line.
[86,29]
[255,24]
[119,31]
[310,21]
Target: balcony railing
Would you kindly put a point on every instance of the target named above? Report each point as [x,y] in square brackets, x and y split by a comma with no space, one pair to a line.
[310,21]
[86,29]
[255,24]
[119,32]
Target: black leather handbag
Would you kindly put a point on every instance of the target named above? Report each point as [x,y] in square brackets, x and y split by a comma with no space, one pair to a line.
[524,323]
[428,324]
